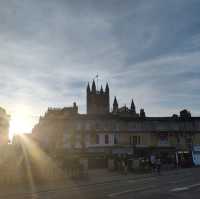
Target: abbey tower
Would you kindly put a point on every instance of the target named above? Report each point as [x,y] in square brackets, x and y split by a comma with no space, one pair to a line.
[98,102]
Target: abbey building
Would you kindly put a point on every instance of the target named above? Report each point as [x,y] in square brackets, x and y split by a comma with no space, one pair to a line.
[116,130]
[98,103]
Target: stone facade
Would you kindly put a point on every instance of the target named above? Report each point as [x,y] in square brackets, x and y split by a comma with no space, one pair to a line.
[120,131]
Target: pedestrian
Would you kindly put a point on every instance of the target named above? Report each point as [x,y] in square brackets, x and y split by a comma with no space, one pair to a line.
[125,167]
[152,162]
[158,165]
[176,160]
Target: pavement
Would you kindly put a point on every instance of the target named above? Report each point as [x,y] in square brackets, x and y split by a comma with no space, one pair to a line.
[181,183]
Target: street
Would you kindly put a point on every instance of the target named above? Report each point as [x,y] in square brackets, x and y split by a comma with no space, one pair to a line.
[182,184]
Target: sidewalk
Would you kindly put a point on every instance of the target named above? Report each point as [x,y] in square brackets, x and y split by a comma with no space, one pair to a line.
[99,176]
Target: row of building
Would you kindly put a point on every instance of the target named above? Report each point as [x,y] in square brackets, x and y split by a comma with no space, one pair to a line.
[110,132]
[119,131]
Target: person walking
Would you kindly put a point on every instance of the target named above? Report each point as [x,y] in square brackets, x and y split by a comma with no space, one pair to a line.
[153,162]
[158,165]
[123,167]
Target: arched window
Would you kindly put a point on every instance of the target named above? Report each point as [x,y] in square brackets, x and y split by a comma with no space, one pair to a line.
[106,139]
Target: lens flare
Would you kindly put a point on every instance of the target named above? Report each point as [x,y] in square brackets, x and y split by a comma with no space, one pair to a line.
[20,122]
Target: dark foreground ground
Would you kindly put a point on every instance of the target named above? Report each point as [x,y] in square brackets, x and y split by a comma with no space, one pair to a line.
[177,184]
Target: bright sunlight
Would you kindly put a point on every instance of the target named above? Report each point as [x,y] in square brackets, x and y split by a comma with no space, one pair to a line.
[21,121]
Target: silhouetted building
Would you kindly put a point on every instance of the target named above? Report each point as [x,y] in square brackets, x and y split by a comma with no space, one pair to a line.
[116,131]
[124,110]
[4,126]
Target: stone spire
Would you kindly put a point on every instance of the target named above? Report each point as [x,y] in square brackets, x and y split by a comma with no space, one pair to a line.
[93,87]
[133,107]
[101,90]
[115,105]
[88,88]
[107,88]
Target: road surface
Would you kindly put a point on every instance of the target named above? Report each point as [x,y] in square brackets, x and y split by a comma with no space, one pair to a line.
[185,184]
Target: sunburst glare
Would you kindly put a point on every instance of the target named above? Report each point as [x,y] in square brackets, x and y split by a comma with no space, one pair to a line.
[21,121]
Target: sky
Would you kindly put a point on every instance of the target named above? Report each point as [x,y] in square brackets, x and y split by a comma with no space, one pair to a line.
[148,50]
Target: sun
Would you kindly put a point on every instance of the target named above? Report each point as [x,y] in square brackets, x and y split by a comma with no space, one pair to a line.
[20,122]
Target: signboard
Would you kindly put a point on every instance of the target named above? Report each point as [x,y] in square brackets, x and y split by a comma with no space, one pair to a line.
[196,155]
[163,139]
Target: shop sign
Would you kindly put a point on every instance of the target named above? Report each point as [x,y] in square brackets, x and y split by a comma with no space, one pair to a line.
[196,155]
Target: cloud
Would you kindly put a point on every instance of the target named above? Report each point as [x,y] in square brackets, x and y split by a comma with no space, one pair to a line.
[148,50]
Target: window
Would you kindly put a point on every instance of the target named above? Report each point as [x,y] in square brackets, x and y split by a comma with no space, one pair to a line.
[135,140]
[106,139]
[139,140]
[115,139]
[97,139]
